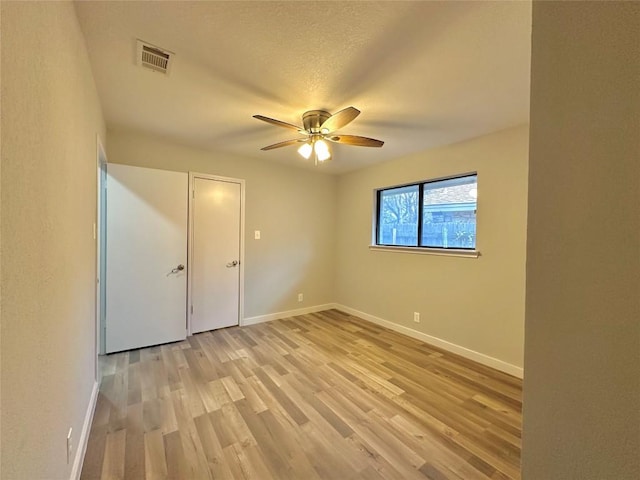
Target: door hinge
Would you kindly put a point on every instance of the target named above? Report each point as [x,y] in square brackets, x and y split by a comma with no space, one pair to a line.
[193,193]
[191,309]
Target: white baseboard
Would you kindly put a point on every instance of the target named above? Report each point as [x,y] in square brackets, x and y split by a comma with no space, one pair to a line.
[84,435]
[437,342]
[289,313]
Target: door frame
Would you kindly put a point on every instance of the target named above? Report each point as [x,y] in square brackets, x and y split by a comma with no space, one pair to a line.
[98,230]
[241,182]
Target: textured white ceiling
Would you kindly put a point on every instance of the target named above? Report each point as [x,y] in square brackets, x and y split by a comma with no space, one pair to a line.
[422,73]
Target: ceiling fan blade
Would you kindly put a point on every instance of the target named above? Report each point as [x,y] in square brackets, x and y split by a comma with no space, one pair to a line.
[339,120]
[284,144]
[278,123]
[355,140]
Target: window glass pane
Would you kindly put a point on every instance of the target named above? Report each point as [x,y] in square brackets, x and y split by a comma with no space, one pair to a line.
[398,220]
[449,213]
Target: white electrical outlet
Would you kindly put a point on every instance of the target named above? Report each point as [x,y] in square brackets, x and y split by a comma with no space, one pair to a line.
[69,445]
[416,317]
[300,297]
[256,234]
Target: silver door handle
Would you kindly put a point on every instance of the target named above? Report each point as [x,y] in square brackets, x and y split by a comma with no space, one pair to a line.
[179,268]
[232,264]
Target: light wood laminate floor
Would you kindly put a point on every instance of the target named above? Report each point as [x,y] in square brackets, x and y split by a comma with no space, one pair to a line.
[318,396]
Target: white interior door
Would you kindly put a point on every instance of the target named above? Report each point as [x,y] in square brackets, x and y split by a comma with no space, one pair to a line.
[215,254]
[146,257]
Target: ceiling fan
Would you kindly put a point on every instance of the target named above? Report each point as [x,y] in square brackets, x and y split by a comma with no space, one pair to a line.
[318,126]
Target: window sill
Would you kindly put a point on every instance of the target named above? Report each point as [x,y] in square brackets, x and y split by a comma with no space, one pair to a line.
[427,251]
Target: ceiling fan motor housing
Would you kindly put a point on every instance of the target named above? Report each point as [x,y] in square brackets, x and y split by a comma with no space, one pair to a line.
[313,120]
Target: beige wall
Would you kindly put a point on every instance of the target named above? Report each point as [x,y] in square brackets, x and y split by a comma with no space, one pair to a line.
[474,303]
[293,208]
[582,351]
[50,118]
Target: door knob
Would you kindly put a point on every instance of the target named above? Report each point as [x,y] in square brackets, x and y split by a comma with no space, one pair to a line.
[179,268]
[232,264]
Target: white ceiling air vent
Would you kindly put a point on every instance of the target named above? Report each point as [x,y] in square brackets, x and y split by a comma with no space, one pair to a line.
[153,57]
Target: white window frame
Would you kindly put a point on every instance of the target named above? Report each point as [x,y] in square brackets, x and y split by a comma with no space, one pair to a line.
[420,250]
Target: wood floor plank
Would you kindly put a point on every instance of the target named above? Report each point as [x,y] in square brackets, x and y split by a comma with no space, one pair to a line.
[232,389]
[399,457]
[289,445]
[328,459]
[195,405]
[212,448]
[134,443]
[251,395]
[176,460]
[94,457]
[168,359]
[114,453]
[152,414]
[319,396]
[447,462]
[378,466]
[311,399]
[286,403]
[277,464]
[155,461]
[194,455]
[134,388]
[247,462]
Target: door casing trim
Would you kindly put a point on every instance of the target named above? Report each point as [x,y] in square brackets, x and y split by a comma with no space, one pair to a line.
[99,225]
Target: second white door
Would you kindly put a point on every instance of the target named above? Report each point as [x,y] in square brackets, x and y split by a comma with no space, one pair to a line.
[215,254]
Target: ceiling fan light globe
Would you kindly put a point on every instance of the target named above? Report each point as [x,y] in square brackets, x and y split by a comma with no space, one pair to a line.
[322,150]
[305,150]
[323,157]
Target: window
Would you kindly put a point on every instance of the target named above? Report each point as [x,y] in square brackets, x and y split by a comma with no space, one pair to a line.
[433,214]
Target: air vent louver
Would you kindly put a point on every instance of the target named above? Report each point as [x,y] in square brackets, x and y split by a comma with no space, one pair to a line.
[154,58]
